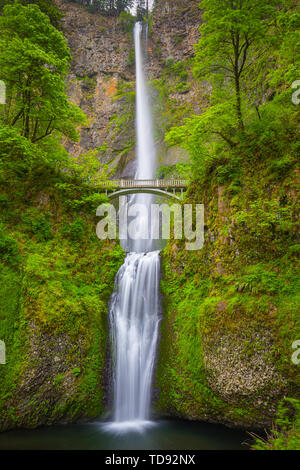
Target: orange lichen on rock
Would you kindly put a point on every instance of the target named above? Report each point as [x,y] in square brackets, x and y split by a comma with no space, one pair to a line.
[112,87]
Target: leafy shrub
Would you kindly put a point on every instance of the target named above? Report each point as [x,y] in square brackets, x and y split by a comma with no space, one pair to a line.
[127,22]
[286,433]
[76,371]
[9,251]
[131,57]
[258,280]
[75,230]
[38,224]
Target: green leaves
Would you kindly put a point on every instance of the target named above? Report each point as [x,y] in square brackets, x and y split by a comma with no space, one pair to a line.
[9,251]
[231,41]
[247,58]
[18,155]
[46,6]
[34,60]
[285,434]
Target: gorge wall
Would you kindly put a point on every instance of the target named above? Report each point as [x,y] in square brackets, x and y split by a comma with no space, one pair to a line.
[56,281]
[102,75]
[229,309]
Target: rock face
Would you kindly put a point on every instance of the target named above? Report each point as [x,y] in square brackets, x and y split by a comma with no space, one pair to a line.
[101,62]
[175,30]
[102,76]
[237,377]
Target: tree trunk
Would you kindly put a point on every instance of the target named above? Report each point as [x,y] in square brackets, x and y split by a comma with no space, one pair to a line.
[236,46]
[238,102]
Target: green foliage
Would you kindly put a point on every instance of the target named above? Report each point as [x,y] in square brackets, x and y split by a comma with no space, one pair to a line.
[179,170]
[76,371]
[56,277]
[131,57]
[286,434]
[75,230]
[54,291]
[243,283]
[18,155]
[38,224]
[87,167]
[32,168]
[9,250]
[34,61]
[247,55]
[177,69]
[231,34]
[80,197]
[268,224]
[46,6]
[127,22]
[258,279]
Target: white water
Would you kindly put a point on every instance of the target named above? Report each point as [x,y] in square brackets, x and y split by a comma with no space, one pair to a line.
[146,157]
[134,312]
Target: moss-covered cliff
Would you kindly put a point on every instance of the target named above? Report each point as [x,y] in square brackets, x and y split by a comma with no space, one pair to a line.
[230,309]
[56,279]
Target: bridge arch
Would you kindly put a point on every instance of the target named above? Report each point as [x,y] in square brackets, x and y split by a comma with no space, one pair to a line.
[155,191]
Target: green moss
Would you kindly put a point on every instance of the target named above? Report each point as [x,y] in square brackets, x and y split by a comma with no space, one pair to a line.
[242,286]
[54,293]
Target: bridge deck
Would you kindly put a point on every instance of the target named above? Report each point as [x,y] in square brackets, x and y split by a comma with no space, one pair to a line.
[155,183]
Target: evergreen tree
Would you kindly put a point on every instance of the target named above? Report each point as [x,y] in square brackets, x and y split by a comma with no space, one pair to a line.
[107,7]
[142,9]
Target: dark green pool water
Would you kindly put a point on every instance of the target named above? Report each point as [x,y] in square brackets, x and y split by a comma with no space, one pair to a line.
[163,435]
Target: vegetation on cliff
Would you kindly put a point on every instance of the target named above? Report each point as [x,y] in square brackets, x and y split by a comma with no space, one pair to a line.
[106,7]
[56,277]
[231,309]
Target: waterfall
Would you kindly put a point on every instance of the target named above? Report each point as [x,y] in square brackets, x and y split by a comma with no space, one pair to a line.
[134,311]
[134,321]
[146,155]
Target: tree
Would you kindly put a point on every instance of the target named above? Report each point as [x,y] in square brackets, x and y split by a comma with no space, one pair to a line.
[46,6]
[231,36]
[107,7]
[34,60]
[142,9]
[249,55]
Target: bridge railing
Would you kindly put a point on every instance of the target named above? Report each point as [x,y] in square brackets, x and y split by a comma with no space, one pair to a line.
[153,183]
